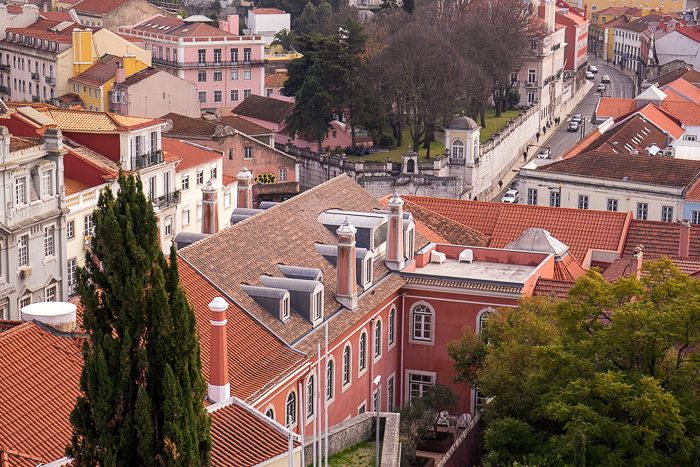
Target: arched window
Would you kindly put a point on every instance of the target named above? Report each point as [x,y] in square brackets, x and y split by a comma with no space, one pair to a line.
[310,396]
[329,380]
[346,365]
[422,323]
[392,326]
[362,362]
[458,149]
[410,166]
[270,413]
[291,413]
[482,317]
[378,339]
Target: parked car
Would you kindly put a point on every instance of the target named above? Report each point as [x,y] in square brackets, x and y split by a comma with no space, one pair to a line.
[578,118]
[605,79]
[543,154]
[589,75]
[573,126]
[593,69]
[511,196]
[601,88]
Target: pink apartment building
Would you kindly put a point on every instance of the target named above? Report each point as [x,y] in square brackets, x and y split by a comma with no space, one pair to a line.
[225,67]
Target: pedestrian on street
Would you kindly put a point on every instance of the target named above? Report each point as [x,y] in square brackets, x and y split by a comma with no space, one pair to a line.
[544,130]
[537,136]
[525,156]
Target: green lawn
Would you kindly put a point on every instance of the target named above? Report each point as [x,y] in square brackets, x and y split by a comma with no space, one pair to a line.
[493,124]
[359,455]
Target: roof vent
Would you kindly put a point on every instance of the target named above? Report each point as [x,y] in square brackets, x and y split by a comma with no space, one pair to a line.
[625,178]
[58,315]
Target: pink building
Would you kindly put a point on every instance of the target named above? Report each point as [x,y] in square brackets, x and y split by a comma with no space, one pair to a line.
[576,49]
[225,67]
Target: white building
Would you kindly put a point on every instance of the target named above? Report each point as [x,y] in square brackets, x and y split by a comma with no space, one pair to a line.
[675,42]
[268,22]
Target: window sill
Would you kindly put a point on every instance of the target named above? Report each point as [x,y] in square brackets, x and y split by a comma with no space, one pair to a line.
[361,373]
[345,387]
[71,238]
[48,259]
[391,345]
[377,358]
[420,342]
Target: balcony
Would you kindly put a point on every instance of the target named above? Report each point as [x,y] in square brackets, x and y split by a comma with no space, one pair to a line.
[4,90]
[531,84]
[167,199]
[5,68]
[50,80]
[215,64]
[35,76]
[36,99]
[143,161]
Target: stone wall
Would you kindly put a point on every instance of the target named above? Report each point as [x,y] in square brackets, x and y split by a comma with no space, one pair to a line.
[362,428]
[466,451]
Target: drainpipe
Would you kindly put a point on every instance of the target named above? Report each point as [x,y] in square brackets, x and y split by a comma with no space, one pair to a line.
[403,338]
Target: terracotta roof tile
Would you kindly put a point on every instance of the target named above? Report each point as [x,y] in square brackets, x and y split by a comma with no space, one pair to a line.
[74,186]
[615,107]
[6,325]
[684,88]
[98,74]
[98,6]
[552,288]
[691,33]
[140,76]
[256,358]
[244,125]
[659,239]
[260,442]
[89,121]
[286,233]
[267,109]
[45,29]
[43,371]
[636,168]
[177,28]
[188,126]
[452,232]
[581,230]
[687,112]
[190,155]
[568,269]
[633,133]
[694,193]
[685,72]
[663,119]
[17,143]
[275,80]
[268,11]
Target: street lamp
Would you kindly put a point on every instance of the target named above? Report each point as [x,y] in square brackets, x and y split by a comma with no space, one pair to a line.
[377,382]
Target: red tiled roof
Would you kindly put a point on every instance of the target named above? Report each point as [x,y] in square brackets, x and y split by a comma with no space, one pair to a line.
[244,125]
[275,80]
[659,239]
[615,107]
[691,33]
[41,372]
[620,10]
[227,179]
[663,120]
[268,11]
[6,324]
[189,154]
[98,6]
[450,231]
[177,28]
[256,358]
[139,76]
[262,441]
[56,15]
[567,269]
[44,29]
[266,109]
[686,89]
[98,74]
[636,168]
[694,193]
[687,112]
[71,98]
[74,186]
[17,143]
[632,133]
[184,125]
[580,229]
[552,288]
[685,72]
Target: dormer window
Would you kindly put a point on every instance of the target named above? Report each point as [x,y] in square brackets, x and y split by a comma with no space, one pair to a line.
[285,309]
[318,306]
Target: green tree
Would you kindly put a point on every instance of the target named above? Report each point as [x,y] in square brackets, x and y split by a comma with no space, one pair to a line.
[142,386]
[284,38]
[327,80]
[606,377]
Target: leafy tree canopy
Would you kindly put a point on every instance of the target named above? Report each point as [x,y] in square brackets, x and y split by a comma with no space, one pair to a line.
[609,376]
[143,391]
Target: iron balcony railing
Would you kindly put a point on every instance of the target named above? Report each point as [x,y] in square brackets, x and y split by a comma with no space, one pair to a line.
[168,199]
[50,80]
[5,68]
[4,90]
[143,161]
[215,64]
[35,76]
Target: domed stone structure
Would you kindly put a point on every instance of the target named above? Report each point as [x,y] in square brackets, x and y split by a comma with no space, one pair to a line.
[462,139]
[462,123]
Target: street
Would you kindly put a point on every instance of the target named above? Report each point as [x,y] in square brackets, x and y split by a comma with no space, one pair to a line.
[621,86]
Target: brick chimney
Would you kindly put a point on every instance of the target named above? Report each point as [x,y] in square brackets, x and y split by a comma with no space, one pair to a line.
[121,73]
[684,241]
[636,261]
[394,250]
[210,209]
[219,387]
[345,280]
[245,189]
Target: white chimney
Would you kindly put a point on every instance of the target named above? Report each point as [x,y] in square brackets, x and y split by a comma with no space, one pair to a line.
[58,315]
[219,386]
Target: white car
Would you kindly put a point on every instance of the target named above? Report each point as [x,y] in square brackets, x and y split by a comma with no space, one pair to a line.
[593,69]
[543,154]
[605,79]
[511,196]
[589,75]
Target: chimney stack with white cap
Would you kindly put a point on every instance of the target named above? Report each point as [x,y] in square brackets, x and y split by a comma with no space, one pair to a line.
[684,241]
[346,285]
[245,189]
[210,209]
[394,250]
[219,387]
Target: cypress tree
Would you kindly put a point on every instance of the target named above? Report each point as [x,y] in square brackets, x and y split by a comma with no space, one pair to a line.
[142,401]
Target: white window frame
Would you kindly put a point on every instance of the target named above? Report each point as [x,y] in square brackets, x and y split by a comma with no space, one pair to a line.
[317,304]
[168,226]
[247,74]
[423,385]
[610,202]
[47,183]
[390,392]
[50,293]
[20,194]
[70,229]
[23,250]
[695,217]
[422,341]
[391,329]
[186,216]
[70,275]
[377,340]
[347,367]
[227,199]
[329,383]
[282,174]
[583,201]
[362,408]
[645,207]
[310,397]
[362,350]
[666,213]
[200,177]
[457,149]
[185,182]
[25,300]
[284,305]
[294,407]
[50,241]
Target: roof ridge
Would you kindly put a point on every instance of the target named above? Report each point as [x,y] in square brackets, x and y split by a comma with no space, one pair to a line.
[18,328]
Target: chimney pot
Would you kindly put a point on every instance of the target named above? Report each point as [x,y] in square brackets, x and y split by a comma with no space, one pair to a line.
[346,282]
[684,240]
[219,386]
[395,258]
[210,209]
[245,189]
[637,260]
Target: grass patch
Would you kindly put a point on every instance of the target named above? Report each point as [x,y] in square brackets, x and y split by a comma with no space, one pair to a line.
[360,455]
[494,124]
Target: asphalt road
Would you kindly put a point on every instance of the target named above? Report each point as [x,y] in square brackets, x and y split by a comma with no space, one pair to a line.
[621,85]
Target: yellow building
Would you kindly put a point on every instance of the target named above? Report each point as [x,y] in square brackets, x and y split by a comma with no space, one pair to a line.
[92,83]
[661,6]
[602,27]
